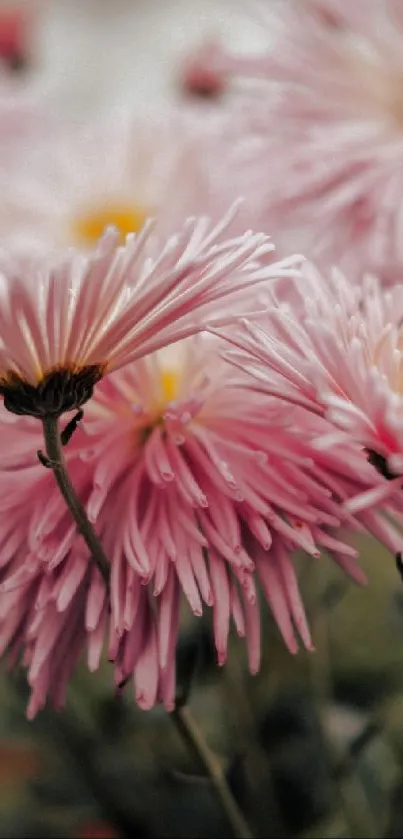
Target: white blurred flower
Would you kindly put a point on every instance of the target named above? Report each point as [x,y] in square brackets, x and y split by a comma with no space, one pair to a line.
[93,53]
[119,169]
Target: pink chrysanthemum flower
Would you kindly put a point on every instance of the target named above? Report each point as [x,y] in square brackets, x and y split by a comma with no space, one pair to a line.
[331,154]
[339,353]
[197,486]
[65,323]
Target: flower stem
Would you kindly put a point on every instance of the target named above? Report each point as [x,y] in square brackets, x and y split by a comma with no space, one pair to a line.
[57,463]
[208,762]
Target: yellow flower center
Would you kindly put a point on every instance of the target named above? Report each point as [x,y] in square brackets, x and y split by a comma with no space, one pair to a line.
[89,226]
[169,385]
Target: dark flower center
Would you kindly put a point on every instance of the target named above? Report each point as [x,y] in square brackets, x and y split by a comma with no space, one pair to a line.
[60,390]
[381,464]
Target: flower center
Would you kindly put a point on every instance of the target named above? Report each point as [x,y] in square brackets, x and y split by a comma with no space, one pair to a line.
[59,390]
[127,218]
[169,385]
[167,390]
[380,83]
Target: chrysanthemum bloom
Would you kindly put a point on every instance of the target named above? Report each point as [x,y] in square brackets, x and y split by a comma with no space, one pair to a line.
[340,356]
[75,182]
[331,167]
[117,170]
[196,485]
[65,323]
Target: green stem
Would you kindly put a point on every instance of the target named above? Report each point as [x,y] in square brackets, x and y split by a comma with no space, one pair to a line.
[210,765]
[57,463]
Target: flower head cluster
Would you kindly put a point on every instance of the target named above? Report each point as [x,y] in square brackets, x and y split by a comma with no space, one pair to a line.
[235,407]
[196,485]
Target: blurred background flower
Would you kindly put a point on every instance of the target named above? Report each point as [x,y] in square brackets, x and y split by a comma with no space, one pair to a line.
[325,101]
